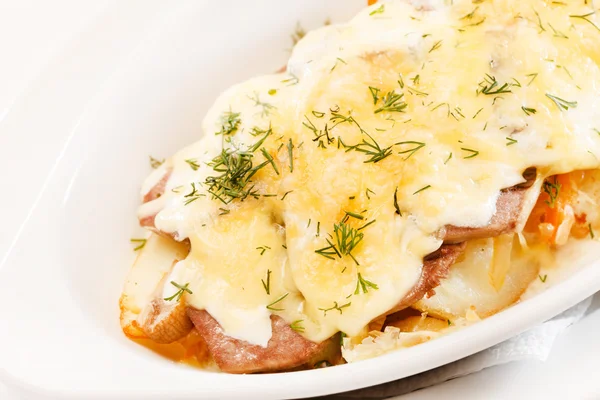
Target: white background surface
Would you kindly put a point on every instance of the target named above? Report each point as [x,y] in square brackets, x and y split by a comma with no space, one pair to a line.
[33,33]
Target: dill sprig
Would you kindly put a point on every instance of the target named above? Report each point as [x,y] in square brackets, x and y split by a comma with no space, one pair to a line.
[528,111]
[379,10]
[270,159]
[265,107]
[375,94]
[472,153]
[179,293]
[364,285]
[436,46]
[422,189]
[392,102]
[371,148]
[562,104]
[585,17]
[140,243]
[236,170]
[193,163]
[353,215]
[230,122]
[411,151]
[396,202]
[335,307]
[290,147]
[346,240]
[490,86]
[270,306]
[267,284]
[552,189]
[297,326]
[263,249]
[155,162]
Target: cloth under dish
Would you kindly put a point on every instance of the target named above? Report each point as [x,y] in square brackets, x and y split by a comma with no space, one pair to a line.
[534,344]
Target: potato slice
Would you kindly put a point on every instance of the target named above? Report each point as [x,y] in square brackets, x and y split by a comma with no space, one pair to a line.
[152,264]
[165,321]
[476,283]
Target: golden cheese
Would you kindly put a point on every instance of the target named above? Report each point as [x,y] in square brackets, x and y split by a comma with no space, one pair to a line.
[435,105]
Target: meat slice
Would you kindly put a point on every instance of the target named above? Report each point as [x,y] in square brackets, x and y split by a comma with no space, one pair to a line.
[509,208]
[286,349]
[157,190]
[435,268]
[505,220]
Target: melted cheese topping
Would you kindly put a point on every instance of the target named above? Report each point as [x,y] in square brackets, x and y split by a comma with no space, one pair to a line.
[488,90]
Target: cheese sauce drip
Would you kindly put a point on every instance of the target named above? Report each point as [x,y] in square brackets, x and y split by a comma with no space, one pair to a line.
[315,194]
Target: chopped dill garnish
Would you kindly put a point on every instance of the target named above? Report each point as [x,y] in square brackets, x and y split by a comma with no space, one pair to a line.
[224,211]
[369,191]
[561,103]
[267,284]
[366,225]
[552,189]
[396,202]
[557,34]
[473,153]
[490,86]
[364,284]
[290,147]
[293,80]
[266,107]
[263,249]
[193,163]
[528,111]
[416,92]
[543,278]
[371,148]
[230,123]
[585,17]
[591,231]
[335,307]
[392,102]
[142,243]
[422,189]
[336,63]
[270,306]
[155,162]
[179,293]
[379,10]
[533,76]
[317,114]
[511,141]
[448,159]
[353,215]
[436,46]
[236,171]
[270,159]
[542,29]
[411,151]
[477,113]
[297,326]
[375,94]
[346,237]
[285,194]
